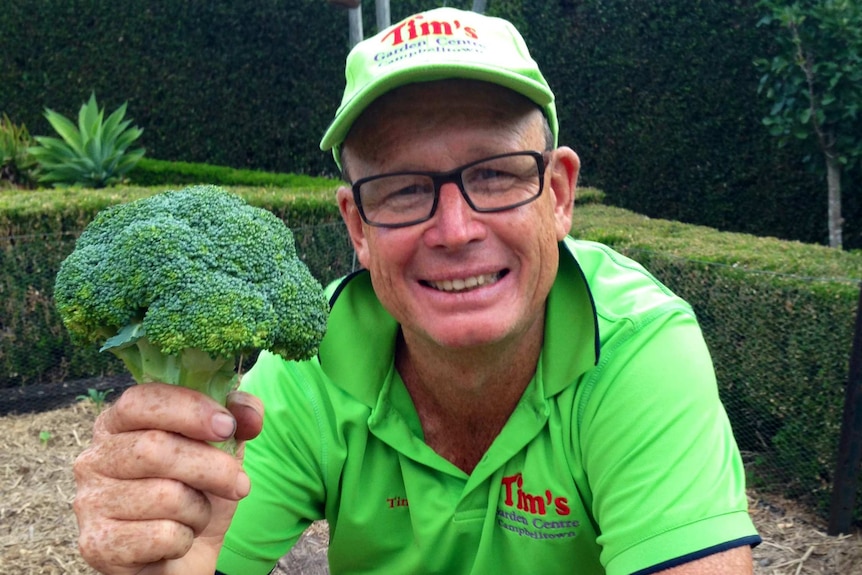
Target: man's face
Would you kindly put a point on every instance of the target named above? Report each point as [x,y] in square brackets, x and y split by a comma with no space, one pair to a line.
[461,279]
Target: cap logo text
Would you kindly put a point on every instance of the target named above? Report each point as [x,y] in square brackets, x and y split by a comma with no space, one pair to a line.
[417,27]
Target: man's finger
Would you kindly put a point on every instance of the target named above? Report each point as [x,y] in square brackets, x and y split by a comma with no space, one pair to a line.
[248,413]
[166,499]
[155,453]
[126,546]
[170,408]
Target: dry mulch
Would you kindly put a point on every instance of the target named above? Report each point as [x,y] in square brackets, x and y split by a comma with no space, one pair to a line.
[38,531]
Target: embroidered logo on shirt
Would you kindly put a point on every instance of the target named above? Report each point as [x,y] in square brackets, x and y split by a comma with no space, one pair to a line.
[394,502]
[527,513]
[531,503]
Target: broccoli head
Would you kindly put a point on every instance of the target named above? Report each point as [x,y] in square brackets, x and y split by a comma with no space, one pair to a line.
[182,284]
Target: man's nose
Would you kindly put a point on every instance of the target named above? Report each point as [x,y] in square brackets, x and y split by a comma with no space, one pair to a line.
[454,221]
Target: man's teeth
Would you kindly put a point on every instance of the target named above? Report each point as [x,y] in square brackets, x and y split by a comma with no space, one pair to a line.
[463,284]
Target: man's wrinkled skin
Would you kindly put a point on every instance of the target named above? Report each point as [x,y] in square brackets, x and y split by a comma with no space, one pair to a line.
[124,530]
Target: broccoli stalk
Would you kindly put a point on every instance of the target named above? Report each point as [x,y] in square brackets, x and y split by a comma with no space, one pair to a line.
[190,367]
[183,284]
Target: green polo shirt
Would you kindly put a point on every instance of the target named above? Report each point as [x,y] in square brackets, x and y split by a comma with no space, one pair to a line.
[615,462]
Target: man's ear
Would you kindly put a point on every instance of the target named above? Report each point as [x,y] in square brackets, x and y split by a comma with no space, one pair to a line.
[353,221]
[562,183]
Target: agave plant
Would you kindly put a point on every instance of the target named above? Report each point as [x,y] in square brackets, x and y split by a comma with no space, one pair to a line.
[93,154]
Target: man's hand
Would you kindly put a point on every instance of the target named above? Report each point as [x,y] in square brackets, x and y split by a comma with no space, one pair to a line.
[153,497]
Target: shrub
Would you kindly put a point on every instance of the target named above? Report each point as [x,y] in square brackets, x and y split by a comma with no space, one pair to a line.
[151,172]
[778,318]
[38,231]
[17,165]
[93,154]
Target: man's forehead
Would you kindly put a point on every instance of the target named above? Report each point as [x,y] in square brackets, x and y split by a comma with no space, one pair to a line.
[385,142]
[428,104]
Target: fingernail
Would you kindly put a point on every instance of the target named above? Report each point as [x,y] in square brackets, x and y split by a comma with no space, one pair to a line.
[223,425]
[243,484]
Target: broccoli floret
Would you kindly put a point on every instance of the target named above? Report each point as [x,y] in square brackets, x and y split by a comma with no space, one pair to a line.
[181,285]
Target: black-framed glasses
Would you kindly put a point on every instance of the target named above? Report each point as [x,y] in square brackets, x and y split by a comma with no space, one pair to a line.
[494,184]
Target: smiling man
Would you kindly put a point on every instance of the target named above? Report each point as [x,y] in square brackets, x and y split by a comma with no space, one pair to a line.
[491,396]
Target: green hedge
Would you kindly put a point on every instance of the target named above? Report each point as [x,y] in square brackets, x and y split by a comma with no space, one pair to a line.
[149,172]
[778,317]
[241,84]
[660,100]
[38,230]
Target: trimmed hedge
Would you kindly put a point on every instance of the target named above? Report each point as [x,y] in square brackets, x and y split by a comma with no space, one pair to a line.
[39,229]
[778,316]
[149,172]
[241,84]
[659,100]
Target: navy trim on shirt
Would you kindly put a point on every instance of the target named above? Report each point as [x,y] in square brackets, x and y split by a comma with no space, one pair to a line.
[217,572]
[751,540]
[341,285]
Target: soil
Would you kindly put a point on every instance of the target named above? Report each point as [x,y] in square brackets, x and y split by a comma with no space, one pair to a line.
[38,531]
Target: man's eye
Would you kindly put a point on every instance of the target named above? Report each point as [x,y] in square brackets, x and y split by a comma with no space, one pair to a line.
[409,192]
[489,174]
[490,177]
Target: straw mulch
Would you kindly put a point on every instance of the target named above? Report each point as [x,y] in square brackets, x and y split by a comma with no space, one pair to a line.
[38,531]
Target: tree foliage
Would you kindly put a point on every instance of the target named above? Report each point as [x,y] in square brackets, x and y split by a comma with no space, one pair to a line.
[814,83]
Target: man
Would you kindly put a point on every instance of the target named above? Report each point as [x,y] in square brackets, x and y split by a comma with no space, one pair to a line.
[491,395]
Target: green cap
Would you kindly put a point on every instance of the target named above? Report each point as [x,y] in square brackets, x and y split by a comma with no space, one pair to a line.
[436,45]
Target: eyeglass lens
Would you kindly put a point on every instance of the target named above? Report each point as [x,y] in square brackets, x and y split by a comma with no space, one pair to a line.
[494,184]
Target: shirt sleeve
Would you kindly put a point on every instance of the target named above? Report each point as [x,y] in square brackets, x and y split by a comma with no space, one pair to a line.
[285,466]
[665,472]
